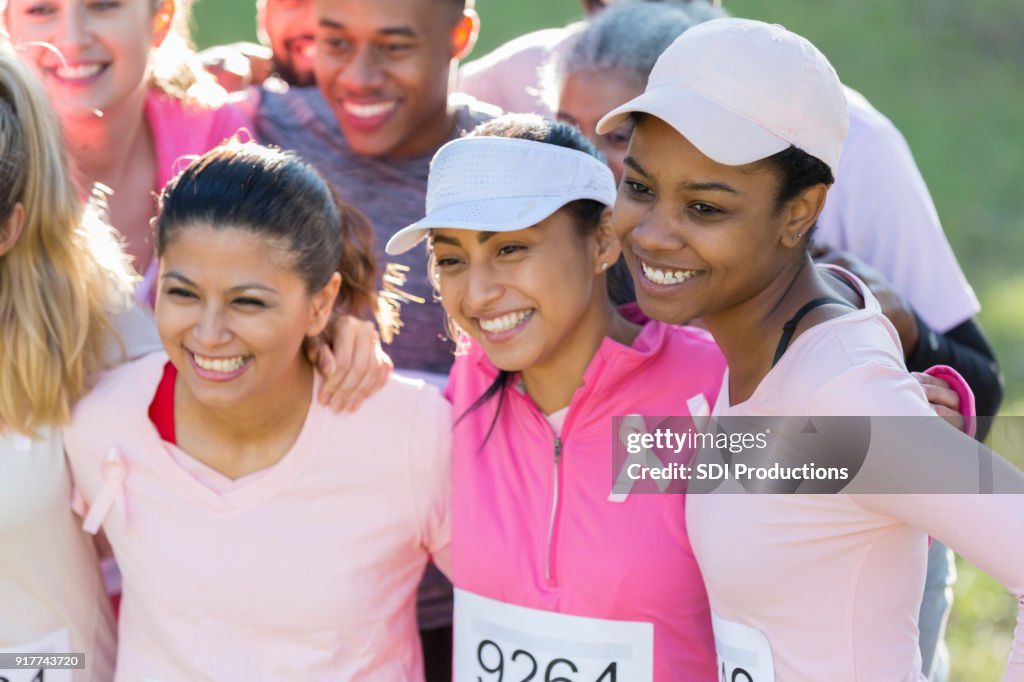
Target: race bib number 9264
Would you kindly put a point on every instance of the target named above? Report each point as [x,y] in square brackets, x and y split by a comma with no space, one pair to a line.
[498,642]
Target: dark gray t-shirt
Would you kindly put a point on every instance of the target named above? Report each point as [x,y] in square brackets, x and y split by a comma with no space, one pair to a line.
[390,191]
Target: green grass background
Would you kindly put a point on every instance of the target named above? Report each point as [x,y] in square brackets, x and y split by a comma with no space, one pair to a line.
[950,74]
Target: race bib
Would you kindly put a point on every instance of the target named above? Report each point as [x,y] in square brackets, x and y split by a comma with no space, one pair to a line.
[496,642]
[744,654]
[58,642]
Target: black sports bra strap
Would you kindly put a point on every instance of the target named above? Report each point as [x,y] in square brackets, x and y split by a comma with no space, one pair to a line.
[790,327]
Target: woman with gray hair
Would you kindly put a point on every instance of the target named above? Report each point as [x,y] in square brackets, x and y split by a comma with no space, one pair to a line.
[608,64]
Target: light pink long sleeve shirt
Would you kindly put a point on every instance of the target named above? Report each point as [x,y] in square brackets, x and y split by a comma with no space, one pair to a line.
[827,587]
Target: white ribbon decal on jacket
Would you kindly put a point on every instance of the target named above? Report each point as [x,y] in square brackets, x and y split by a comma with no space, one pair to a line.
[645,458]
[634,423]
[110,495]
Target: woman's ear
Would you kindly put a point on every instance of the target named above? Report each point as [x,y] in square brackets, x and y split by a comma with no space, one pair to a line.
[10,231]
[163,22]
[323,305]
[801,213]
[608,247]
[465,34]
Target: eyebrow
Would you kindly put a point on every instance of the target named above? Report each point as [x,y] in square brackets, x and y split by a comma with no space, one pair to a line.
[685,185]
[707,187]
[481,236]
[241,287]
[635,165]
[401,31]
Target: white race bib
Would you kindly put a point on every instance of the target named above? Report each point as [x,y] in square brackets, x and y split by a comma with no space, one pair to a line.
[497,641]
[58,642]
[744,654]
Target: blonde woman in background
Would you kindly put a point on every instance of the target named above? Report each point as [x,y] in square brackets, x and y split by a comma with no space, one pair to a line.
[65,288]
[131,96]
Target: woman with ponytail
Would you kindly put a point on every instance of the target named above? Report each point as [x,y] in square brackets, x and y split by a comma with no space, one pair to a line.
[261,535]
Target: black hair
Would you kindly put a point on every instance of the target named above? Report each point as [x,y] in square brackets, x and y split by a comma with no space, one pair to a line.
[275,194]
[587,214]
[797,171]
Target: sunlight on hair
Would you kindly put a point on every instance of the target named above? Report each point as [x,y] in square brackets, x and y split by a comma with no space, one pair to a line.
[390,300]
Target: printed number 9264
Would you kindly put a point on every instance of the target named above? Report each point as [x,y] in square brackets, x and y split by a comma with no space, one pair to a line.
[521,662]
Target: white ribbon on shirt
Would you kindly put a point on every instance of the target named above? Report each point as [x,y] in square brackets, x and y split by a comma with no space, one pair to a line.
[111,494]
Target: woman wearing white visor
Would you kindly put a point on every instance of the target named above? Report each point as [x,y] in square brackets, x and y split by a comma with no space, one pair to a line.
[555,573]
[562,567]
[737,136]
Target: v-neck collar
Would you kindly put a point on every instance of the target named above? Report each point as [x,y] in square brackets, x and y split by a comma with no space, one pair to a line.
[245,494]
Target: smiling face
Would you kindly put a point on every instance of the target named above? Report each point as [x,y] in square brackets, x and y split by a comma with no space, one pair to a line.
[384,67]
[289,26]
[588,95]
[232,313]
[532,297]
[100,49]
[699,237]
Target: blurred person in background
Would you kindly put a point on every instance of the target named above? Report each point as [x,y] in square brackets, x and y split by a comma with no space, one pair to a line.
[509,77]
[132,98]
[287,48]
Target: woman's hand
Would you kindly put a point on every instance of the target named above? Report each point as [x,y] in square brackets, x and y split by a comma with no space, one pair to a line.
[351,360]
[944,400]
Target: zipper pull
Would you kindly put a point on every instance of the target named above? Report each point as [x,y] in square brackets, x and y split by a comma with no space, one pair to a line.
[558,449]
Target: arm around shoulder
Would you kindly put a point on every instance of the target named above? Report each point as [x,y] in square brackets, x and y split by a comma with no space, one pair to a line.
[429,442]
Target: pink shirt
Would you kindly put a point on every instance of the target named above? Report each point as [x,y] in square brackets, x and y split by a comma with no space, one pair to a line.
[828,587]
[510,77]
[534,522]
[880,210]
[181,133]
[307,572]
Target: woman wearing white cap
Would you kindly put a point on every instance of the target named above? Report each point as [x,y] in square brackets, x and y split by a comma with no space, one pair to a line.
[556,572]
[736,140]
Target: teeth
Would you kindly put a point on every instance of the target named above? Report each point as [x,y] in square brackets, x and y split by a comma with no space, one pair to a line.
[222,365]
[667,276]
[505,322]
[78,72]
[369,110]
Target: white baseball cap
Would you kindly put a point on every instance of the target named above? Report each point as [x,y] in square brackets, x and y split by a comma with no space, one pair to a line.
[741,90]
[500,184]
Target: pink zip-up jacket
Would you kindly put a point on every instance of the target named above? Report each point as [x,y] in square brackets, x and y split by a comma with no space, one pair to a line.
[532,520]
